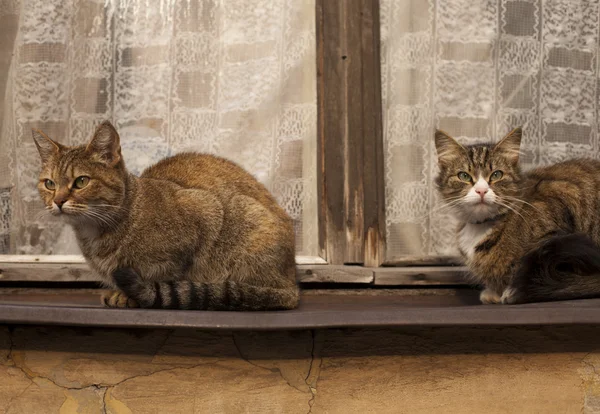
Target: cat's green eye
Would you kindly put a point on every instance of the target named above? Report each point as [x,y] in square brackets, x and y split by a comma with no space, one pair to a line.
[463,176]
[81,182]
[496,175]
[50,184]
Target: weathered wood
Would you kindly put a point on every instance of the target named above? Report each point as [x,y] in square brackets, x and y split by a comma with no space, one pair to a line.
[420,276]
[424,261]
[46,272]
[334,274]
[71,259]
[332,128]
[76,272]
[310,260]
[60,268]
[373,170]
[49,258]
[321,199]
[350,149]
[315,312]
[74,269]
[351,61]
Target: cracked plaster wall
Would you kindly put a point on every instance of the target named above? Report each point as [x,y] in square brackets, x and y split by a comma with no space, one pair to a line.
[460,370]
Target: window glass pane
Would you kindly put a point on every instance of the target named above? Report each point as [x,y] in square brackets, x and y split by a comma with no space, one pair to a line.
[234,78]
[476,69]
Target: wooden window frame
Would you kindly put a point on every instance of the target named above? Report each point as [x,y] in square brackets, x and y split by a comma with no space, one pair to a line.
[350,169]
[350,133]
[350,152]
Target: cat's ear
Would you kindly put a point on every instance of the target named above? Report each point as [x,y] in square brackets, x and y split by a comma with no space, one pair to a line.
[105,145]
[509,147]
[447,147]
[46,147]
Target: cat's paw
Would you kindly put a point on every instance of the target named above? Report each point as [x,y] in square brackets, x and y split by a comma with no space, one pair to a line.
[488,296]
[117,299]
[510,296]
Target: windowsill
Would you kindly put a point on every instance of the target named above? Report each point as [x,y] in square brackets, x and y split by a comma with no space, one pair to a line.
[318,309]
[309,270]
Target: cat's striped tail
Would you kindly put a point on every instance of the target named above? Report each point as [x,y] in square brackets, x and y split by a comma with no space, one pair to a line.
[185,294]
[562,268]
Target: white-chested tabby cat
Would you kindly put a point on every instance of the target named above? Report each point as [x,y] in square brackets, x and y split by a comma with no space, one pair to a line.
[193,231]
[526,237]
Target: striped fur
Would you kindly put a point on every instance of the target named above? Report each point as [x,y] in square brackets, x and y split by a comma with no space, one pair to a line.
[194,231]
[187,294]
[529,226]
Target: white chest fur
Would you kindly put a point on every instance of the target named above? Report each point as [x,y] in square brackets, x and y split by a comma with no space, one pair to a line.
[471,235]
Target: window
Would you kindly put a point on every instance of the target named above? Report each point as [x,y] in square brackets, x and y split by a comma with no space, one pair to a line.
[331,104]
[233,78]
[477,70]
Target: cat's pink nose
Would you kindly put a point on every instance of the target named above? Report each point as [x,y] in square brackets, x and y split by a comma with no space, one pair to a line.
[481,191]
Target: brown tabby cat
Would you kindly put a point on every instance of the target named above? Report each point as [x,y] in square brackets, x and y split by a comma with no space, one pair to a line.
[526,237]
[193,231]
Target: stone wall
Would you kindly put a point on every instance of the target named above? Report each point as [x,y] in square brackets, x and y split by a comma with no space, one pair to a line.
[425,370]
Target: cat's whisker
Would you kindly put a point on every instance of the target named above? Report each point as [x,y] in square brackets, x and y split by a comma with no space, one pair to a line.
[98,213]
[105,218]
[515,211]
[110,206]
[100,218]
[524,213]
[112,213]
[439,208]
[450,204]
[42,214]
[111,219]
[510,198]
[109,213]
[78,206]
[84,211]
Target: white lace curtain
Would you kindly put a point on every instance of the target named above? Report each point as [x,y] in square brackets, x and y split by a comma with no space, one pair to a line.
[231,77]
[237,78]
[477,68]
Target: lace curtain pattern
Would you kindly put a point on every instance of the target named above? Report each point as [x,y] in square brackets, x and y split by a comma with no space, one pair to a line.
[231,77]
[477,68]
